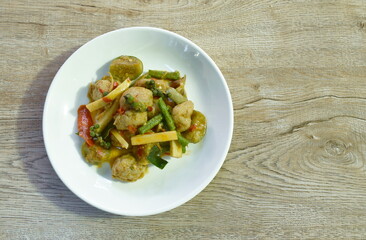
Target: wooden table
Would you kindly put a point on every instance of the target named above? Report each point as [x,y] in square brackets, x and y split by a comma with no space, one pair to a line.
[297,163]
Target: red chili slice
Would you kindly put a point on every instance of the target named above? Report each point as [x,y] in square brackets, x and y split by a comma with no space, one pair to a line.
[132,129]
[150,108]
[140,151]
[85,121]
[121,110]
[106,99]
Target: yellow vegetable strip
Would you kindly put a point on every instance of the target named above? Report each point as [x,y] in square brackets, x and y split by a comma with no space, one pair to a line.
[110,97]
[154,137]
[175,149]
[119,138]
[112,82]
[107,116]
[94,115]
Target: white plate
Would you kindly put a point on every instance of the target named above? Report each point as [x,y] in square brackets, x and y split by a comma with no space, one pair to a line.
[159,190]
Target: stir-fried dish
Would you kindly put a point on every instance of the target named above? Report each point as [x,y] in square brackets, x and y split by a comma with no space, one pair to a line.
[135,119]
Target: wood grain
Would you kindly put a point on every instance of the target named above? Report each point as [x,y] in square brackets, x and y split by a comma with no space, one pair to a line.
[296,71]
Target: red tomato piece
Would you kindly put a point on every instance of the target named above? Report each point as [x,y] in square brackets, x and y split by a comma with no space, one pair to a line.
[85,121]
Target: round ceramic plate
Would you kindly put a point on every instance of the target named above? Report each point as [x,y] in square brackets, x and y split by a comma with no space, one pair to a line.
[159,190]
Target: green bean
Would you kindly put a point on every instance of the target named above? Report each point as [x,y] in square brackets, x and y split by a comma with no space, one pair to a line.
[137,106]
[183,141]
[164,74]
[151,123]
[175,96]
[168,118]
[152,86]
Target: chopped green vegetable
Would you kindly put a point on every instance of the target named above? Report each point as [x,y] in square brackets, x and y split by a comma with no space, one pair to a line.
[102,141]
[152,86]
[183,141]
[107,129]
[164,147]
[168,118]
[164,74]
[137,106]
[154,158]
[151,123]
[176,96]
